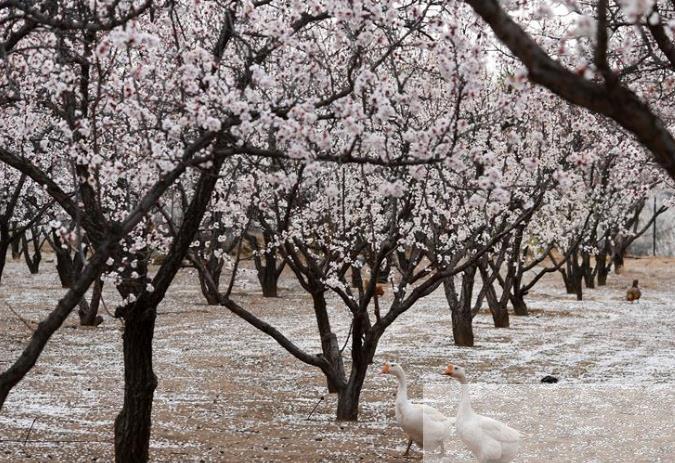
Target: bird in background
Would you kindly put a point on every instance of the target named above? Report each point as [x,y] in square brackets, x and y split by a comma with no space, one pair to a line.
[633,294]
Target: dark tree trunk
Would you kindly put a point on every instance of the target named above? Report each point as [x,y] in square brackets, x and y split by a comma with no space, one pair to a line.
[364,346]
[268,268]
[4,245]
[577,287]
[16,248]
[617,260]
[579,292]
[132,425]
[569,287]
[88,312]
[500,316]
[269,276]
[587,270]
[462,327]
[460,310]
[357,280]
[329,343]
[211,295]
[33,262]
[64,266]
[214,267]
[498,308]
[348,397]
[573,276]
[603,269]
[518,302]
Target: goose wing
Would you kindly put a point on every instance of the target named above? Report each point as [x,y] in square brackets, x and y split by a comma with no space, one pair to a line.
[498,430]
[433,415]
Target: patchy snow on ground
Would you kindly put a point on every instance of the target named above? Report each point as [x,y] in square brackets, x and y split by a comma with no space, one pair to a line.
[228,393]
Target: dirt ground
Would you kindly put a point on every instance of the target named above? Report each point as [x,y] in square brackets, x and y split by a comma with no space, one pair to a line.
[227,393]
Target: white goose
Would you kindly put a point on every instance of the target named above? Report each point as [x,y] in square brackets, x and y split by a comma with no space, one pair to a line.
[424,425]
[490,441]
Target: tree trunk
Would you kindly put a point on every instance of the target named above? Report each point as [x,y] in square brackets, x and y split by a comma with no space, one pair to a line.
[462,327]
[88,312]
[33,262]
[617,259]
[460,309]
[16,249]
[4,245]
[132,425]
[519,305]
[587,270]
[603,269]
[212,297]
[348,397]
[214,268]
[500,314]
[578,287]
[357,281]
[329,343]
[573,277]
[64,267]
[501,317]
[363,349]
[567,279]
[269,279]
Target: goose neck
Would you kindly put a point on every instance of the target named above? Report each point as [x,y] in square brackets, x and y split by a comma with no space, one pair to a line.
[464,399]
[402,394]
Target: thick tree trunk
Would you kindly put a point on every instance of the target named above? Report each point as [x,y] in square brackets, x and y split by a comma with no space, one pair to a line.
[88,312]
[33,262]
[460,309]
[132,425]
[348,397]
[16,249]
[462,327]
[329,343]
[212,297]
[498,309]
[518,303]
[587,271]
[214,268]
[573,277]
[357,281]
[602,268]
[269,277]
[64,267]
[4,245]
[578,287]
[500,316]
[567,279]
[617,260]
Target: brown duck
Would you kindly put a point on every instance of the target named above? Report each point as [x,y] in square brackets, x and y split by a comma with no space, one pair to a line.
[633,293]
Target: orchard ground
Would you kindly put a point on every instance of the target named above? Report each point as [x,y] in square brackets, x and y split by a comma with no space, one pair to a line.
[228,393]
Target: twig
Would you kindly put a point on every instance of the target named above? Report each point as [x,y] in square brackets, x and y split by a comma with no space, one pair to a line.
[23,320]
[181,312]
[349,334]
[29,431]
[315,407]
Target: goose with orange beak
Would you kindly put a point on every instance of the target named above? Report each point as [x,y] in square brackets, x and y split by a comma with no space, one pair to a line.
[490,441]
[424,425]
